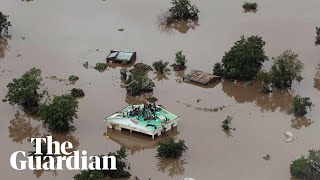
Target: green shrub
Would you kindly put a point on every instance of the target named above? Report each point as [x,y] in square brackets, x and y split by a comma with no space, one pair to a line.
[141,67]
[59,113]
[306,167]
[301,104]
[101,67]
[317,42]
[171,149]
[77,92]
[244,59]
[4,23]
[161,66]
[183,10]
[73,78]
[180,59]
[138,83]
[121,164]
[247,6]
[24,90]
[89,175]
[123,72]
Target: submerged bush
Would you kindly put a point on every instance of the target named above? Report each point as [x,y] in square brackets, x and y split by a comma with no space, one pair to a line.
[141,67]
[77,92]
[171,149]
[286,68]
[89,175]
[247,6]
[183,10]
[301,105]
[121,164]
[317,42]
[101,67]
[4,23]
[73,78]
[306,167]
[226,123]
[123,72]
[24,90]
[161,66]
[139,82]
[121,172]
[244,59]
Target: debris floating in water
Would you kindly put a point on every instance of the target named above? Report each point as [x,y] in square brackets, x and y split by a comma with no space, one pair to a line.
[290,137]
[267,157]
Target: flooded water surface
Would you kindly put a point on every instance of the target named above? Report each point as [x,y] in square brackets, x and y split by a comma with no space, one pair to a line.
[59,36]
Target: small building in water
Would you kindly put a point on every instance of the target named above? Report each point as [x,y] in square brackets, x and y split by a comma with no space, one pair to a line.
[121,57]
[149,119]
[200,77]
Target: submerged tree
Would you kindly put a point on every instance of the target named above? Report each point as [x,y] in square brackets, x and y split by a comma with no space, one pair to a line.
[306,167]
[73,79]
[301,105]
[243,60]
[180,61]
[122,165]
[317,42]
[59,113]
[161,66]
[4,23]
[171,149]
[183,10]
[89,175]
[247,6]
[75,92]
[226,123]
[123,72]
[122,168]
[139,82]
[101,67]
[286,68]
[24,90]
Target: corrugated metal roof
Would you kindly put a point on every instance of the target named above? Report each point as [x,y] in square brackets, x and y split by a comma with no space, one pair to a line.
[200,77]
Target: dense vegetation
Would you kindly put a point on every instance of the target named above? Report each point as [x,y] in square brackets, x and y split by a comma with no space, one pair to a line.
[307,168]
[4,23]
[182,10]
[180,61]
[161,66]
[286,68]
[24,90]
[101,67]
[243,60]
[247,6]
[301,105]
[317,42]
[75,92]
[139,82]
[59,113]
[171,149]
[89,175]
[121,172]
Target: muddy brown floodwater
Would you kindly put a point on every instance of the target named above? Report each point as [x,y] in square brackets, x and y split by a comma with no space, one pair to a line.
[59,36]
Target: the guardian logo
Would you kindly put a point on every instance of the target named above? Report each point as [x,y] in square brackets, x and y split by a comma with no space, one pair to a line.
[60,158]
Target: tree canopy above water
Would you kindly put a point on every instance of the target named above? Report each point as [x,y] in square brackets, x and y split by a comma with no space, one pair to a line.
[243,60]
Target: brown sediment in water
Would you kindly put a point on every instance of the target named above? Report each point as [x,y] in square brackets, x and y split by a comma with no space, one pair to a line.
[62,35]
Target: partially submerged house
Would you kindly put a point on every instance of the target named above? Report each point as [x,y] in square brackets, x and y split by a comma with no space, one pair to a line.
[145,118]
[121,57]
[200,77]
